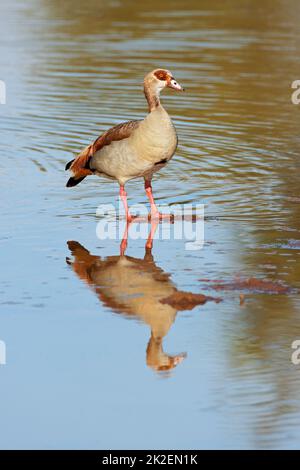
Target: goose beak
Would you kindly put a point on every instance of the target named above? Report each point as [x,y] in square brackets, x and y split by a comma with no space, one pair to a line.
[172,83]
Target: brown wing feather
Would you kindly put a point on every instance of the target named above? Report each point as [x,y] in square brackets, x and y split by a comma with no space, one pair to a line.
[80,167]
[119,132]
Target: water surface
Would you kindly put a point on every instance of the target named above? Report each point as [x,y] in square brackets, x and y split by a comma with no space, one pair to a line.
[83,368]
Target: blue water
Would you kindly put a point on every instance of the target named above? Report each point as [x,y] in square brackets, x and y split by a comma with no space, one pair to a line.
[79,372]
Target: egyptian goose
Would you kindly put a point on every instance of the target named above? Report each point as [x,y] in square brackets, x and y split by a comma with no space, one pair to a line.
[135,148]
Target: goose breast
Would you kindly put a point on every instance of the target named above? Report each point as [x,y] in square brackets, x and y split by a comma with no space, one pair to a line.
[135,148]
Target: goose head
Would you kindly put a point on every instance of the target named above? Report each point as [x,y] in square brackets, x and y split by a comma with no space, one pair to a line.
[157,359]
[159,79]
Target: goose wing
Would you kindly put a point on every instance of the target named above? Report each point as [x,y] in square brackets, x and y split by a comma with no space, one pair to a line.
[80,165]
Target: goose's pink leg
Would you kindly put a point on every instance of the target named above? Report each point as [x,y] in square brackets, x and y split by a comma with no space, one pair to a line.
[123,196]
[149,242]
[154,211]
[124,241]
[155,214]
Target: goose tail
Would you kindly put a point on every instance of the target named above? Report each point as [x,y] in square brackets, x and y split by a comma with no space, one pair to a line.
[79,167]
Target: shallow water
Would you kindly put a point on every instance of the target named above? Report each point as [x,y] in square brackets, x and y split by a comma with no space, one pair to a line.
[82,367]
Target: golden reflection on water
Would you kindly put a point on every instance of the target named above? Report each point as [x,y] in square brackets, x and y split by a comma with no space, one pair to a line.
[132,286]
[137,287]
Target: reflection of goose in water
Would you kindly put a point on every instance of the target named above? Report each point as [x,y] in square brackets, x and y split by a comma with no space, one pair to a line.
[134,286]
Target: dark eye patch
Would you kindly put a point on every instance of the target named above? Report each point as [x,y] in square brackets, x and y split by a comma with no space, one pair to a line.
[161,74]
